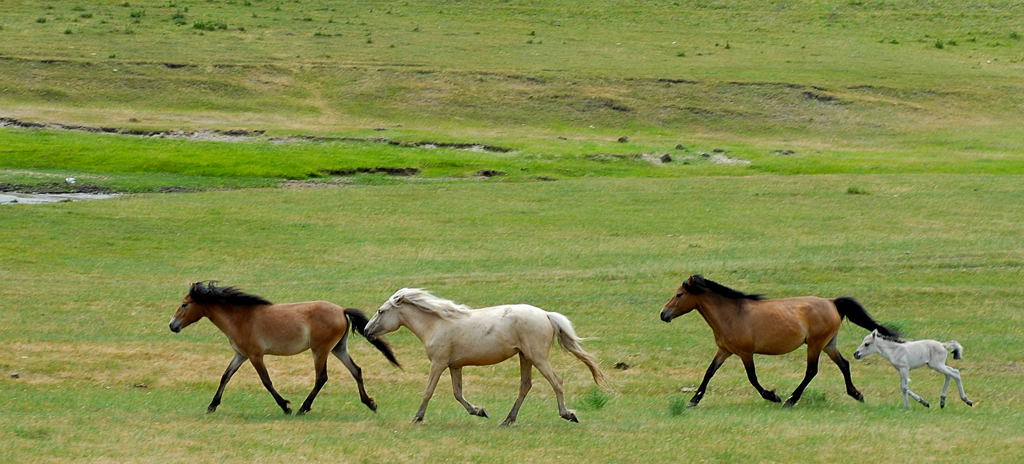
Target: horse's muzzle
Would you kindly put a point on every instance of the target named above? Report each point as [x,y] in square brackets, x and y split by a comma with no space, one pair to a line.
[856,355]
[175,326]
[666,315]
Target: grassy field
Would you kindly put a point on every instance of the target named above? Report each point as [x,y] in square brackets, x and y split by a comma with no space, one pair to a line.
[894,77]
[90,287]
[869,148]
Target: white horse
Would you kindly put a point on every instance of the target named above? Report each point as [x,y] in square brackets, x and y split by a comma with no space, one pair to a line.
[455,336]
[905,356]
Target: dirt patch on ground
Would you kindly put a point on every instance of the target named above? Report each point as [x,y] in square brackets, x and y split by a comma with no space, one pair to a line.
[54,187]
[246,135]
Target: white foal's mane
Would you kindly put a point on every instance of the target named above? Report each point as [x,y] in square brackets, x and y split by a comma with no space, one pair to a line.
[422,299]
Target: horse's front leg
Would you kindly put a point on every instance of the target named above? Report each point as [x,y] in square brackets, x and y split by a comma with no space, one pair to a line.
[261,369]
[436,369]
[905,386]
[456,373]
[748,364]
[236,362]
[716,362]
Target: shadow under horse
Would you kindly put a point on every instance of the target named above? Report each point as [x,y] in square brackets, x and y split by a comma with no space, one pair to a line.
[747,324]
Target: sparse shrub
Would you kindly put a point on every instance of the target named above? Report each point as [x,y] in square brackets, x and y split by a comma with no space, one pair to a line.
[179,18]
[595,399]
[951,42]
[855,190]
[1014,35]
[680,53]
[137,14]
[41,20]
[67,31]
[939,44]
[211,25]
[676,406]
[78,8]
[85,15]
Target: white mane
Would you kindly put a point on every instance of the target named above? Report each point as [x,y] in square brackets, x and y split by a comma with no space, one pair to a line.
[423,300]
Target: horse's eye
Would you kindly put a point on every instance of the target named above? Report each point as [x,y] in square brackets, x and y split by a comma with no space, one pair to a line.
[679,295]
[184,305]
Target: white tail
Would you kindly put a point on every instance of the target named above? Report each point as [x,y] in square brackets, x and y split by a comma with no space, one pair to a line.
[571,342]
[957,348]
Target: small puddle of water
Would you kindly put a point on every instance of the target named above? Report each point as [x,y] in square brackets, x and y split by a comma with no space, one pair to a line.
[10,198]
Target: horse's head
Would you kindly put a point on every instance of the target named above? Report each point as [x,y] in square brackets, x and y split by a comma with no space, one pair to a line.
[387,319]
[868,346]
[683,302]
[189,311]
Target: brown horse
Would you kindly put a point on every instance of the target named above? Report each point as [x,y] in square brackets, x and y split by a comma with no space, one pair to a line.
[256,327]
[746,324]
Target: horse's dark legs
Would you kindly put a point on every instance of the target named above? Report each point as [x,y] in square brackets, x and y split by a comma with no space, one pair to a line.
[261,369]
[844,367]
[236,362]
[716,362]
[812,370]
[341,352]
[748,364]
[320,365]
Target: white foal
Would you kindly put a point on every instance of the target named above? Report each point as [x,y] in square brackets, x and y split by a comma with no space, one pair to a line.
[905,356]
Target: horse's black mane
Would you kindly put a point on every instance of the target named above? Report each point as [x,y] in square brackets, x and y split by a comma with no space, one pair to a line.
[209,293]
[697,284]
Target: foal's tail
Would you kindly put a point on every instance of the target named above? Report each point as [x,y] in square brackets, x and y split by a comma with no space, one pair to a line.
[957,348]
[359,320]
[570,341]
[852,310]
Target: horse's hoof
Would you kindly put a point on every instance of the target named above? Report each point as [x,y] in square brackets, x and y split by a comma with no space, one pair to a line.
[969,403]
[508,422]
[571,417]
[302,412]
[287,411]
[942,403]
[417,420]
[480,412]
[925,403]
[771,396]
[790,403]
[857,396]
[211,409]
[370,403]
[692,404]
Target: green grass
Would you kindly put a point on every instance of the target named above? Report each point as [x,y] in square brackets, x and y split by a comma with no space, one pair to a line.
[839,75]
[89,288]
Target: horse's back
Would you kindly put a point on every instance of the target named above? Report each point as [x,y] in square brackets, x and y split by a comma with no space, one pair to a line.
[290,328]
[781,325]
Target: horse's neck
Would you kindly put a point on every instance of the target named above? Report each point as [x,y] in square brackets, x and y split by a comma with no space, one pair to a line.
[888,349]
[421,323]
[225,319]
[714,311]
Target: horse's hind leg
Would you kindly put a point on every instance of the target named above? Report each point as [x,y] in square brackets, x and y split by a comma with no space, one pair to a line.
[340,351]
[844,367]
[812,370]
[953,373]
[525,383]
[320,366]
[748,364]
[261,370]
[556,385]
[236,362]
[456,373]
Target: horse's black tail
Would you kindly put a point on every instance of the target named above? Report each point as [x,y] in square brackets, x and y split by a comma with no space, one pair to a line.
[852,310]
[359,320]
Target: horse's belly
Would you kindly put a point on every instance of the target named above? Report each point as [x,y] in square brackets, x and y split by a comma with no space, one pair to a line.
[482,357]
